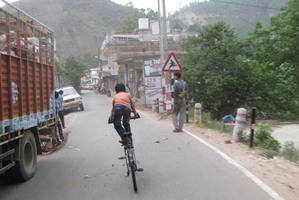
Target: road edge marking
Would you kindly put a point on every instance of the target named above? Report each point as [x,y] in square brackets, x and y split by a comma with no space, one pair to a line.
[245,171]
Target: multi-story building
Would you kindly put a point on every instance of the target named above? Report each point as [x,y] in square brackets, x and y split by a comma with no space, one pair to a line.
[134,59]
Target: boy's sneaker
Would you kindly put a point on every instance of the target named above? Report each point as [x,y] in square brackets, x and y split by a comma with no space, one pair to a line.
[177,130]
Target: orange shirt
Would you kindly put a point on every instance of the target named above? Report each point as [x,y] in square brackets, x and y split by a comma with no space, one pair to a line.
[122,98]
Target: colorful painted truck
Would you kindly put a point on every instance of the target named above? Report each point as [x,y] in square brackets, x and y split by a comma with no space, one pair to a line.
[26,90]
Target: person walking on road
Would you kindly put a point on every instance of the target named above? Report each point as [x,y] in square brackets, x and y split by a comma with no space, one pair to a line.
[179,102]
[60,111]
[122,106]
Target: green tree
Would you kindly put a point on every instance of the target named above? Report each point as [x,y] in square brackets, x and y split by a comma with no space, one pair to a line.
[273,55]
[73,71]
[216,74]
[131,20]
[58,66]
[89,60]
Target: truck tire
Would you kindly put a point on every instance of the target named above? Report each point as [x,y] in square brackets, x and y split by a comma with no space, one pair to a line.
[25,167]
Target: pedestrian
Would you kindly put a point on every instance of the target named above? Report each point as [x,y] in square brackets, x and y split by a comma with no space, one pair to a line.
[60,111]
[180,90]
[57,119]
[122,106]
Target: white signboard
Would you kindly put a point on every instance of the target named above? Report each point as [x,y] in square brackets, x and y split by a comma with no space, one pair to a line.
[152,67]
[151,94]
[152,82]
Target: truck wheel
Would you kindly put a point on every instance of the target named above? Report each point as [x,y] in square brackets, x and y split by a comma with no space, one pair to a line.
[81,107]
[25,167]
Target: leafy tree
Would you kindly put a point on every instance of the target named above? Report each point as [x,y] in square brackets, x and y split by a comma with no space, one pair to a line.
[216,74]
[177,24]
[90,60]
[273,55]
[58,66]
[131,20]
[225,73]
[74,70]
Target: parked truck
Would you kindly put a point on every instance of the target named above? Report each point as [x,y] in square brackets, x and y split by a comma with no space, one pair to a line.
[27,104]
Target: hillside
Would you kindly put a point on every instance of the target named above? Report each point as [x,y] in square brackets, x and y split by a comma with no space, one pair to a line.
[81,25]
[242,15]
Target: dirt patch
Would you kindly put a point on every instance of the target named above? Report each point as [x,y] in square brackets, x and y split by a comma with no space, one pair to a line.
[278,173]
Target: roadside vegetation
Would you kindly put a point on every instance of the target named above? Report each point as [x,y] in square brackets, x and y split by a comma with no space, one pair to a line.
[263,140]
[225,72]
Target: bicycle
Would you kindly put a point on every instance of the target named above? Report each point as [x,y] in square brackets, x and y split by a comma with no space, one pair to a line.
[130,157]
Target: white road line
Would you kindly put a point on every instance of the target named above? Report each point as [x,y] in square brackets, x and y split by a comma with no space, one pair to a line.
[245,171]
[255,179]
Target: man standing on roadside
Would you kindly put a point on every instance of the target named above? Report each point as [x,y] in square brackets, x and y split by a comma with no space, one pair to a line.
[60,111]
[179,102]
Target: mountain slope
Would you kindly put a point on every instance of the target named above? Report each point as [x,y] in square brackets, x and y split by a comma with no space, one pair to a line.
[242,15]
[80,25]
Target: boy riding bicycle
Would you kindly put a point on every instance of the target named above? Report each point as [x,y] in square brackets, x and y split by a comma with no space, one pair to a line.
[122,106]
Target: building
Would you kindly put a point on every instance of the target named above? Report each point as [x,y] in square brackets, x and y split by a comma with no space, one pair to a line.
[134,59]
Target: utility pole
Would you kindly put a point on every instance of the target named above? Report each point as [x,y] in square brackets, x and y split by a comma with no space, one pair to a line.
[161,43]
[164,51]
[165,44]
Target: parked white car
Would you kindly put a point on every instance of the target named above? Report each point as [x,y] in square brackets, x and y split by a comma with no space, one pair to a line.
[71,99]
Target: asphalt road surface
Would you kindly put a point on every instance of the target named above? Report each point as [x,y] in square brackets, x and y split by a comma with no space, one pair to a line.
[176,165]
[287,133]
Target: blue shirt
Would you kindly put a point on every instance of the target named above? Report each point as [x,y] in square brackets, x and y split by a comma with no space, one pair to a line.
[179,86]
[60,100]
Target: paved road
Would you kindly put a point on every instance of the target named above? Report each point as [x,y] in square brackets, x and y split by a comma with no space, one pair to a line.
[177,166]
[287,133]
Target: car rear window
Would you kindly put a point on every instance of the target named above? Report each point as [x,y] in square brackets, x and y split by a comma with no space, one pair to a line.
[69,91]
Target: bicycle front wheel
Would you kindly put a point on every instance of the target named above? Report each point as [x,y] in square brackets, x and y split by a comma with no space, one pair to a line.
[133,167]
[133,170]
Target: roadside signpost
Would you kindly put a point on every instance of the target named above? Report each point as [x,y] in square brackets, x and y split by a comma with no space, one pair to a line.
[172,64]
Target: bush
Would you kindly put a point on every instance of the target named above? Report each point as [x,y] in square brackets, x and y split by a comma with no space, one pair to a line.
[290,153]
[264,140]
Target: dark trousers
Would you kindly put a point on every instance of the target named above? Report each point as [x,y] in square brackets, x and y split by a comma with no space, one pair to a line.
[121,119]
[61,116]
[60,131]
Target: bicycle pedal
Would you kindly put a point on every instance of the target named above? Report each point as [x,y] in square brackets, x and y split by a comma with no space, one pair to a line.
[140,170]
[120,158]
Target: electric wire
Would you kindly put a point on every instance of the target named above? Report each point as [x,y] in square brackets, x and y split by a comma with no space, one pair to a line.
[230,12]
[244,4]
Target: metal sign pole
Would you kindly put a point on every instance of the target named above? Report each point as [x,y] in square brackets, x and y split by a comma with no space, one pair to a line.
[252,127]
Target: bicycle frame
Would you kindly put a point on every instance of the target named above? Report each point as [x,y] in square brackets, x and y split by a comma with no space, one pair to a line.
[130,159]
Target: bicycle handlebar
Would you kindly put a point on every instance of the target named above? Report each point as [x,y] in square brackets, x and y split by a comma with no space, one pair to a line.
[131,117]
